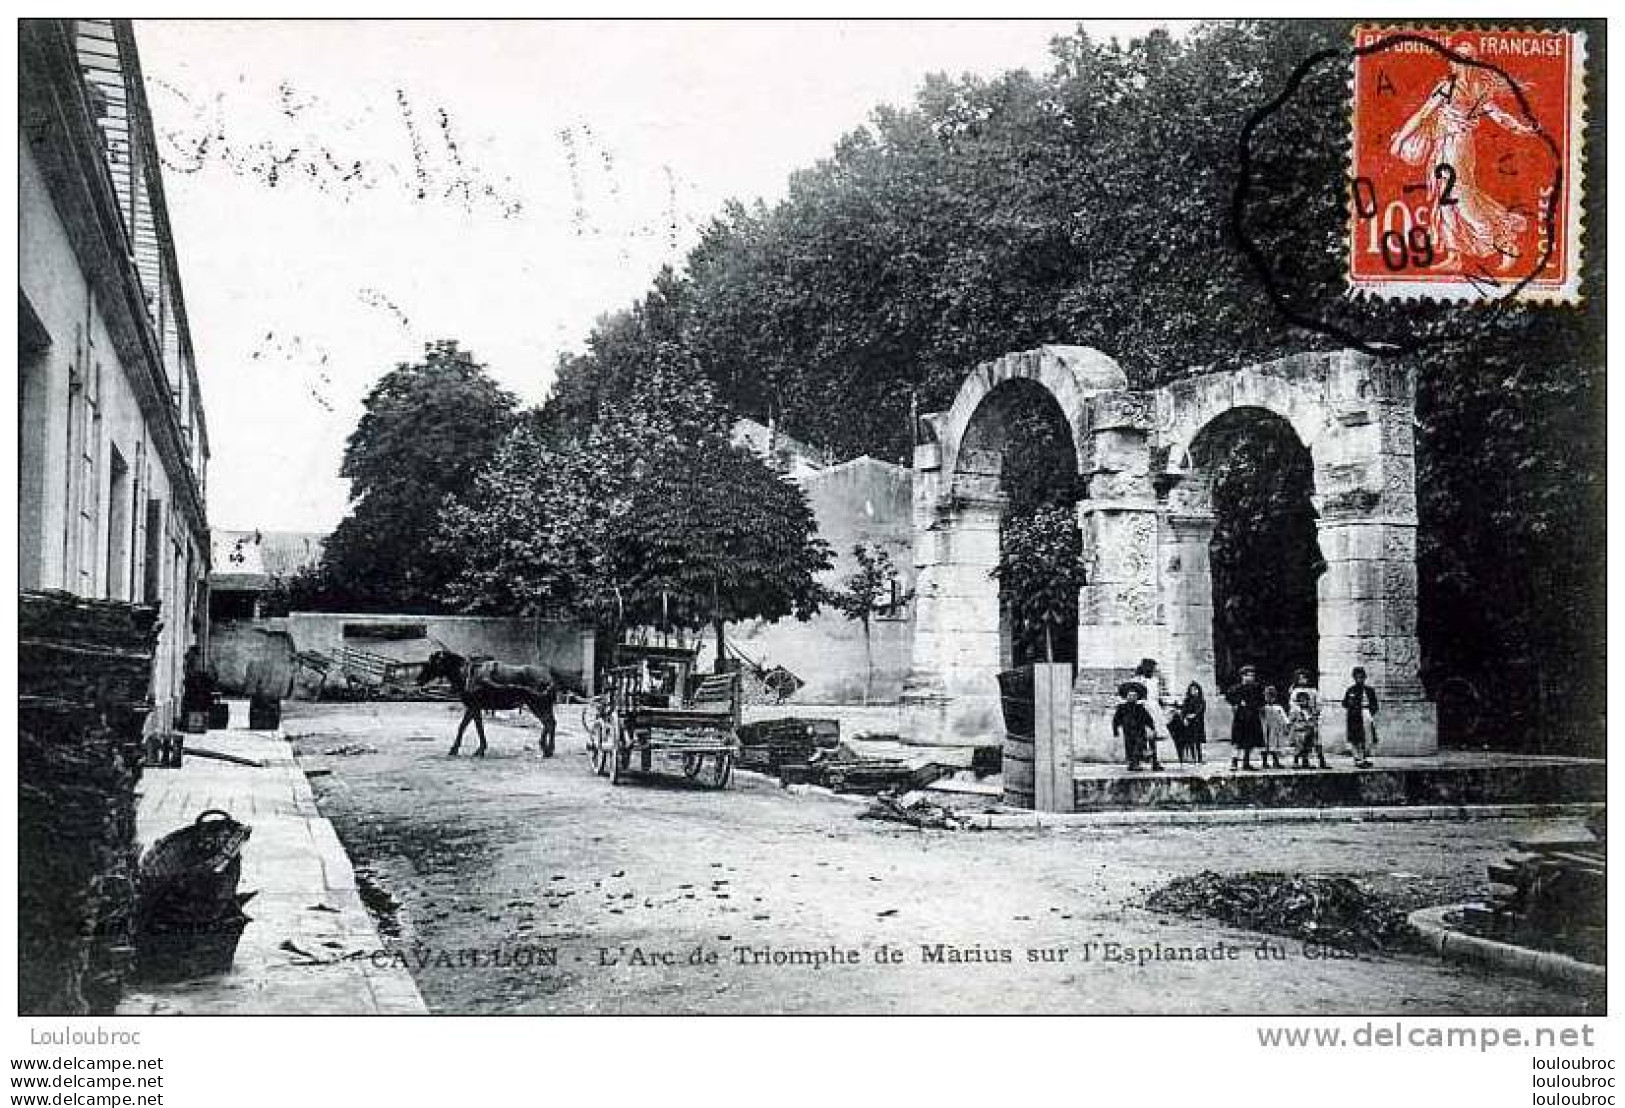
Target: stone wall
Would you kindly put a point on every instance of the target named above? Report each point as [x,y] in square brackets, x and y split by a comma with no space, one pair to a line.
[566,647]
[867,501]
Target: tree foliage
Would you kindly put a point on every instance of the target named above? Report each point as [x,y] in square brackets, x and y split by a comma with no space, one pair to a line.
[427,432]
[633,510]
[1040,571]
[1090,204]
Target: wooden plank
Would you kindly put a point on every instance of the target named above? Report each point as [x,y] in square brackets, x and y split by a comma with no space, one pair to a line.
[1052,741]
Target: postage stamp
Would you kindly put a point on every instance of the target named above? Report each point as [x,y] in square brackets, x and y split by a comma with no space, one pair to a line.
[1465,177]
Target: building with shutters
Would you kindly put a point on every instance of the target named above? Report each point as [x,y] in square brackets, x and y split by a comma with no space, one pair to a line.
[112,443]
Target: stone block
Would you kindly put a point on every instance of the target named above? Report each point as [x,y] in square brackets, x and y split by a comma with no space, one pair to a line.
[1351,581]
[955,580]
[1348,377]
[1396,433]
[1346,540]
[1113,605]
[1120,485]
[1399,544]
[1399,617]
[975,546]
[1398,578]
[1120,452]
[1133,411]
[1398,475]
[1123,548]
[1404,657]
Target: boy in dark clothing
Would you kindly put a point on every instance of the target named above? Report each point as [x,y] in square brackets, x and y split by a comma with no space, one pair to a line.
[1360,713]
[1134,723]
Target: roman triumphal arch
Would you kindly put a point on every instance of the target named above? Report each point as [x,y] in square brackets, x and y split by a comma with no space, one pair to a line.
[1147,519]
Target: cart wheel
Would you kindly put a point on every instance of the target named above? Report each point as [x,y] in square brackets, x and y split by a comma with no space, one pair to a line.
[547,746]
[597,747]
[692,764]
[722,769]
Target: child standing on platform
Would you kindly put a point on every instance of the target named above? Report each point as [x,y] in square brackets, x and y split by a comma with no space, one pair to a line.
[1192,712]
[1276,728]
[1360,713]
[1305,723]
[1135,724]
[1247,721]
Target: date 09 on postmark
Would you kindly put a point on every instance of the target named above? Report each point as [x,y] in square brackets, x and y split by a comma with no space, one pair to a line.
[1465,181]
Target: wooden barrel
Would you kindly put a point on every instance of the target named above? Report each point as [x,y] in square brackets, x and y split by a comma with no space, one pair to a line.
[1016,699]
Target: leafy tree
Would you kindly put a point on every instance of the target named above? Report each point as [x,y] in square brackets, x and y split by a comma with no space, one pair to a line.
[1040,571]
[723,538]
[428,430]
[646,516]
[868,591]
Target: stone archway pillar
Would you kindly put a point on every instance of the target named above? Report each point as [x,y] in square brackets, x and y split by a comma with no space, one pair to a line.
[1187,584]
[1365,484]
[1118,617]
[951,695]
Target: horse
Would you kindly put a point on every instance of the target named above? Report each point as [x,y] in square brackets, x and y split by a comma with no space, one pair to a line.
[486,685]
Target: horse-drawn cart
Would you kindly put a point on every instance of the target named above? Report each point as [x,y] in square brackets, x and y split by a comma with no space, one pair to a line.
[650,706]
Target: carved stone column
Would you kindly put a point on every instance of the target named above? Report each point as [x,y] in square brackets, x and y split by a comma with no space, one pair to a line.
[1187,584]
[1118,606]
[1365,484]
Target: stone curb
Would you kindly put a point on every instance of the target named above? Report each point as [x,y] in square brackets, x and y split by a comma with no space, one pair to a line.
[1458,946]
[1175,817]
[1026,821]
[393,990]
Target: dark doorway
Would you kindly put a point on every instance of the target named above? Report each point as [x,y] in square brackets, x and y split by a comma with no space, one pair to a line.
[1265,553]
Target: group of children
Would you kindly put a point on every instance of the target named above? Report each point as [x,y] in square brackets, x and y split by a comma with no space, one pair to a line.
[1260,721]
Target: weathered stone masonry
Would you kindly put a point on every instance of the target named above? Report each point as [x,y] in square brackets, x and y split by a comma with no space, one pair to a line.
[1146,523]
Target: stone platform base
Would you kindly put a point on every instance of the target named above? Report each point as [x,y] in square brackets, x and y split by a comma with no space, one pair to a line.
[1445,779]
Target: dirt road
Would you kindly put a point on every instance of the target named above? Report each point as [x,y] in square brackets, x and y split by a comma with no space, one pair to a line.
[662,897]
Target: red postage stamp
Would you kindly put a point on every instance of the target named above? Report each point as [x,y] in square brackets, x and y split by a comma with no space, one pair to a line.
[1465,177]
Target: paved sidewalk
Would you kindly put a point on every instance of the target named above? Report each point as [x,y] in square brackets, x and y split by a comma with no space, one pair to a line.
[307,891]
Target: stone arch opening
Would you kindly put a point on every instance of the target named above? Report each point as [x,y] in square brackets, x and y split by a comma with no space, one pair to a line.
[961,638]
[1264,561]
[1020,434]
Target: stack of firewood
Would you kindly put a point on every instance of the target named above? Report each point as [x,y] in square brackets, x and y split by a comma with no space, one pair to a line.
[770,744]
[1551,894]
[84,671]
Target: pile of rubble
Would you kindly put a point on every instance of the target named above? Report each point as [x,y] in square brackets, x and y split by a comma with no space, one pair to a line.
[84,668]
[1552,894]
[1330,911]
[916,811]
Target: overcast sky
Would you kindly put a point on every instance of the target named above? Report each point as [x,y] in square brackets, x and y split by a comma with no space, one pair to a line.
[343,192]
